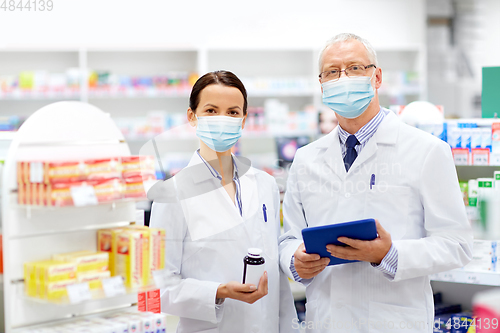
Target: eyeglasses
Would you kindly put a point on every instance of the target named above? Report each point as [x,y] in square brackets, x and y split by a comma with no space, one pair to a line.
[351,71]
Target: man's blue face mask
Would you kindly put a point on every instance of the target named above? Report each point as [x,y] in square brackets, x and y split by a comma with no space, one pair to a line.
[348,96]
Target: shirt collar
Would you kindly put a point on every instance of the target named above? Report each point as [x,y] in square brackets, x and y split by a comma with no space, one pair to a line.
[365,132]
[214,172]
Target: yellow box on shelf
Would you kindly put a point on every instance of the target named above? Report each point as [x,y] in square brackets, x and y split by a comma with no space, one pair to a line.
[86,261]
[106,242]
[55,290]
[93,278]
[30,279]
[131,246]
[39,275]
[157,248]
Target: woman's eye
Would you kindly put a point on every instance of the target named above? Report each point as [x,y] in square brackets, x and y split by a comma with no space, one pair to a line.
[234,113]
[210,111]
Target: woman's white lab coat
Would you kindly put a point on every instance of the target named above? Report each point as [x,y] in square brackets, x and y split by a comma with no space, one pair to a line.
[207,240]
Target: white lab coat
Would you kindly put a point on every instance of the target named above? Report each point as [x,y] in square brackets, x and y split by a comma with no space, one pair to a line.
[201,255]
[416,198]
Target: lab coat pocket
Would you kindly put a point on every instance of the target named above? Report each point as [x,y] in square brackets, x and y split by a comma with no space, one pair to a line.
[268,230]
[387,318]
[389,204]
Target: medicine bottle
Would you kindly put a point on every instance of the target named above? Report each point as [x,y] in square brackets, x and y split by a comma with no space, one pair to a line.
[253,266]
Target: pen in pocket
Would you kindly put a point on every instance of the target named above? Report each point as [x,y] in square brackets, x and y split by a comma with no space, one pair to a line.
[372,181]
[264,210]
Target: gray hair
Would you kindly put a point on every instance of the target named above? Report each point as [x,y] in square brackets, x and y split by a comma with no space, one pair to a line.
[345,37]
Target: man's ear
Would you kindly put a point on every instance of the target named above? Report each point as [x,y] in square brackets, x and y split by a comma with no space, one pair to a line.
[378,77]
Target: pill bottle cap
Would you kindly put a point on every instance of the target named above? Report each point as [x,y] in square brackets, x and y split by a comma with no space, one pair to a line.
[254,252]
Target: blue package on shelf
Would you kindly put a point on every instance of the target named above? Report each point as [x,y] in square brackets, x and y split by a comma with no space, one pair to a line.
[442,324]
[461,322]
[443,308]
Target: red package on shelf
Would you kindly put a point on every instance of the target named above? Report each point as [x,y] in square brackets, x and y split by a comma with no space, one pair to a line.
[103,190]
[133,187]
[134,166]
[108,168]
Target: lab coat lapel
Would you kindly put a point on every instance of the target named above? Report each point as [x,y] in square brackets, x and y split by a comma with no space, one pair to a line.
[197,169]
[386,134]
[332,154]
[388,131]
[365,155]
[248,187]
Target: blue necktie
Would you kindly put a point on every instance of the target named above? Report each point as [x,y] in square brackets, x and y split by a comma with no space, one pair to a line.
[351,154]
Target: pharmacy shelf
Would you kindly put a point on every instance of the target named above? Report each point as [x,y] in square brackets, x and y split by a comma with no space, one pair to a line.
[44,96]
[130,296]
[140,93]
[466,172]
[39,312]
[289,74]
[36,221]
[66,130]
[461,276]
[245,136]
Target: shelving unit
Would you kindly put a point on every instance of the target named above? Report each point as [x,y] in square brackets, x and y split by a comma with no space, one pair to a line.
[461,276]
[459,285]
[65,130]
[251,65]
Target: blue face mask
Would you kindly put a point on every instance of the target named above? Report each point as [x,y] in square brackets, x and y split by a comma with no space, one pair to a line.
[219,133]
[349,96]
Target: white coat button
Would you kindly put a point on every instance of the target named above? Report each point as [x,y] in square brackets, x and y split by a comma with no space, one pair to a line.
[255,329]
[347,195]
[339,305]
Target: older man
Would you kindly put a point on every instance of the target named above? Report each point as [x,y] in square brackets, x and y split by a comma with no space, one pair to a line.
[372,166]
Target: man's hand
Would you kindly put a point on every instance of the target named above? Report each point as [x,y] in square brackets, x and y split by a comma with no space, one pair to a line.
[308,265]
[372,251]
[247,293]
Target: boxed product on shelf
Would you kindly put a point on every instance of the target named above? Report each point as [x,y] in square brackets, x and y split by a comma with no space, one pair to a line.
[135,166]
[48,172]
[63,194]
[133,187]
[484,257]
[462,322]
[48,279]
[442,324]
[108,168]
[131,254]
[93,278]
[473,141]
[105,239]
[129,321]
[46,183]
[86,261]
[157,248]
[134,252]
[41,276]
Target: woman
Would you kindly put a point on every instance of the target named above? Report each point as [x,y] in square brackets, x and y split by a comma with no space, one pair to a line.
[213,211]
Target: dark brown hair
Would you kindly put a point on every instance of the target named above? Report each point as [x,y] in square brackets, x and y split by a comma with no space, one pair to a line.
[224,78]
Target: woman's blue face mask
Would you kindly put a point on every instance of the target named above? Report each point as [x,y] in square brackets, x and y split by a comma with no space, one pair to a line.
[348,96]
[219,133]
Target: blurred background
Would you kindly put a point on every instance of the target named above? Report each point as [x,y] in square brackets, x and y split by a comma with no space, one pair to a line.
[137,61]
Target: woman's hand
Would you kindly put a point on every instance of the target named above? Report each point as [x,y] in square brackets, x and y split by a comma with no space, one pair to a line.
[243,292]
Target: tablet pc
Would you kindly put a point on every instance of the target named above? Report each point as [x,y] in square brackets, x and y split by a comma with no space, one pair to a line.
[317,238]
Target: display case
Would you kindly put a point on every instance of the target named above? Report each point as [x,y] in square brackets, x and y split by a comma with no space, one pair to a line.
[57,132]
